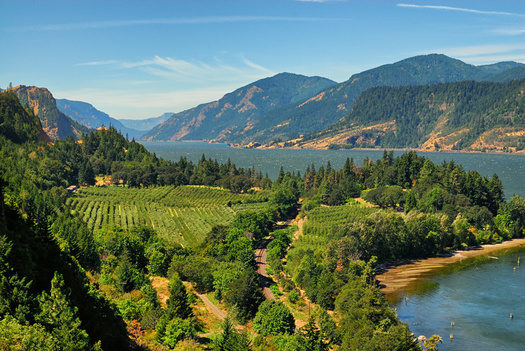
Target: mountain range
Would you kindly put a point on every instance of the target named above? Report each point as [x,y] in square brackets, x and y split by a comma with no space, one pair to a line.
[249,115]
[240,111]
[465,115]
[294,110]
[89,116]
[145,125]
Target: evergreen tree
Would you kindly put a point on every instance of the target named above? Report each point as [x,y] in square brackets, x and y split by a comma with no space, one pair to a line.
[60,318]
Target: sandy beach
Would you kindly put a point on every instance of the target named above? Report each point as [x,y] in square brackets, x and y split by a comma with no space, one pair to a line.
[395,279]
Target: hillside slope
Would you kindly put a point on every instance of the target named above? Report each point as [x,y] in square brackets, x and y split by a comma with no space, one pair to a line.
[231,117]
[449,116]
[17,123]
[56,124]
[86,114]
[331,104]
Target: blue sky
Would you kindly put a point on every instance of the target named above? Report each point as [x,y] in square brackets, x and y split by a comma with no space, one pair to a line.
[139,59]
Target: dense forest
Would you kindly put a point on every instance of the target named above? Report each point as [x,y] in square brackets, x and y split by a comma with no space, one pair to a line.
[448,115]
[66,286]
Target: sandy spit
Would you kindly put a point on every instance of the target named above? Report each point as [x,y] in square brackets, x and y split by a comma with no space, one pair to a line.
[396,278]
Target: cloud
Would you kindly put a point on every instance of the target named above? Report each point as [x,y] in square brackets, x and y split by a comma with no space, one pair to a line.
[494,58]
[97,63]
[181,70]
[479,50]
[509,31]
[449,8]
[175,84]
[166,21]
[125,103]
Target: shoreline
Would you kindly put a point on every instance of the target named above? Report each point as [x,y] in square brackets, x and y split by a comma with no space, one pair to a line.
[396,279]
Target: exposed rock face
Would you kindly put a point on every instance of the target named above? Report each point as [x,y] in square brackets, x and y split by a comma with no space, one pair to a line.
[56,124]
[238,114]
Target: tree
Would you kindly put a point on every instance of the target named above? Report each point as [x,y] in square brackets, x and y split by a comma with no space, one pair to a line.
[274,318]
[59,317]
[246,296]
[178,329]
[177,307]
[230,339]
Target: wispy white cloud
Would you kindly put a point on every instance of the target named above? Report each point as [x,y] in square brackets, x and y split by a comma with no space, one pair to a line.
[450,8]
[170,68]
[480,50]
[126,103]
[97,63]
[494,58]
[175,84]
[166,21]
[509,31]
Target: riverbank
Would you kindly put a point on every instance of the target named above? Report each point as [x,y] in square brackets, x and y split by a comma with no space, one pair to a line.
[396,279]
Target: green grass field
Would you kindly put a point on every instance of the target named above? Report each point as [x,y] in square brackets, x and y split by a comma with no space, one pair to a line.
[181,215]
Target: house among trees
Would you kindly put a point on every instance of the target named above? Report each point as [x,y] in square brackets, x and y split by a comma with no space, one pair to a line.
[72,189]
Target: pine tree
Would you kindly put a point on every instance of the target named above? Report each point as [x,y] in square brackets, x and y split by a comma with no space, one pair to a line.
[60,318]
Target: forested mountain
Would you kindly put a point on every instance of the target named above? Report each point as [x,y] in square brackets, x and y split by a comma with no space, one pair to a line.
[66,286]
[333,103]
[56,124]
[449,116]
[89,116]
[17,123]
[146,124]
[233,116]
[249,115]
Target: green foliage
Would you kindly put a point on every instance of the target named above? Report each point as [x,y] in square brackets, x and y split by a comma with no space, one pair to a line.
[177,330]
[264,95]
[417,111]
[18,336]
[246,297]
[17,123]
[179,215]
[386,196]
[230,339]
[273,318]
[58,317]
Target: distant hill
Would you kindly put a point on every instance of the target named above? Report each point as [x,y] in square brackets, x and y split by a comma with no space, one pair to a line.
[89,116]
[464,115]
[146,124]
[234,115]
[258,113]
[55,123]
[333,103]
[18,123]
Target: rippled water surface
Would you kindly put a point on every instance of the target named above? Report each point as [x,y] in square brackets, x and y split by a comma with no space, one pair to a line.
[509,167]
[479,297]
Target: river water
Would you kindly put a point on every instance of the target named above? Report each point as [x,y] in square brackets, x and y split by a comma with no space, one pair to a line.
[509,167]
[478,295]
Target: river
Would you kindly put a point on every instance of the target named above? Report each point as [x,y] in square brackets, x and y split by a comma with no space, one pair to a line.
[478,295]
[509,167]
